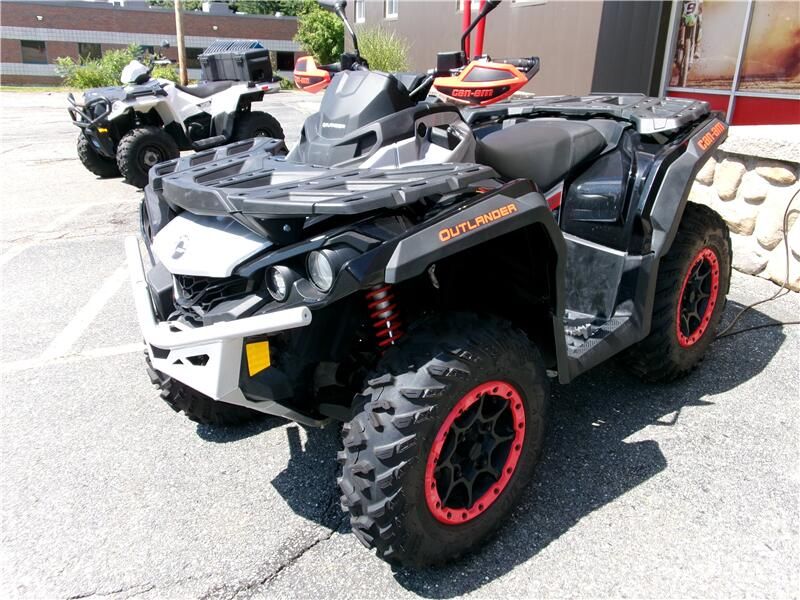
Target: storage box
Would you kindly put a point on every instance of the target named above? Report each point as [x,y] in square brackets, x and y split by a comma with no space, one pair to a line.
[236,60]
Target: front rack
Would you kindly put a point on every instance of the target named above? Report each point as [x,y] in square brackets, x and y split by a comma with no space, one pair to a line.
[253,183]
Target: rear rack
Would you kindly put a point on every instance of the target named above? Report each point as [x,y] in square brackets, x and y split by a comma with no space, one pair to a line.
[251,183]
[648,114]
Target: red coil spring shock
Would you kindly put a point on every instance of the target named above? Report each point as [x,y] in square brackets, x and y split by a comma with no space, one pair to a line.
[384,314]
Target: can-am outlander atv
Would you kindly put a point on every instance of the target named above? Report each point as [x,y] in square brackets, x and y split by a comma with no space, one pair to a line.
[128,129]
[416,271]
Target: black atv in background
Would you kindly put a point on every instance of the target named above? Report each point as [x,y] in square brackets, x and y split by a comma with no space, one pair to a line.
[126,130]
[417,270]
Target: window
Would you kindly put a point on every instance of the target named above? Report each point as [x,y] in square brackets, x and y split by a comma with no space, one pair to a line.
[192,62]
[284,61]
[360,11]
[33,52]
[88,50]
[391,8]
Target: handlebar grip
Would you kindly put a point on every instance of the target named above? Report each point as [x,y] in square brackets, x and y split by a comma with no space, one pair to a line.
[523,64]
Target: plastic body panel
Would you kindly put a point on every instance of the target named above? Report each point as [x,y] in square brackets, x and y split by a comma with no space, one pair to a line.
[309,77]
[481,83]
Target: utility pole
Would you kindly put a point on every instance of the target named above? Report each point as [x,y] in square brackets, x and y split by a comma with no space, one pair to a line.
[183,73]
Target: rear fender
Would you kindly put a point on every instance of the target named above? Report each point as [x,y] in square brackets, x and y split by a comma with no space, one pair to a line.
[670,200]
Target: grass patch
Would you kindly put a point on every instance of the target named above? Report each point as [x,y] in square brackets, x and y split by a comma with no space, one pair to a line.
[31,89]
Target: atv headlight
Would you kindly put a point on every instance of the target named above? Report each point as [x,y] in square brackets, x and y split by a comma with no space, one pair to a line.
[320,270]
[323,265]
[280,281]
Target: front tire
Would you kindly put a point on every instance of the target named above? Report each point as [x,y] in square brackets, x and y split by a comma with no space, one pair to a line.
[257,124]
[196,406]
[693,282]
[140,149]
[444,439]
[94,162]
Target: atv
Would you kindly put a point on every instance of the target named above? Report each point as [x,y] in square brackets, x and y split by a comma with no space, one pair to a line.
[126,130]
[420,270]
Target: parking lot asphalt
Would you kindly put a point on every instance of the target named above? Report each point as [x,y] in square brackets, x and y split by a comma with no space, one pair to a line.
[683,490]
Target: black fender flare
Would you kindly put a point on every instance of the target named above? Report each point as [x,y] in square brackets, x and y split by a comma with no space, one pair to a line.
[513,206]
[673,191]
[510,207]
[672,196]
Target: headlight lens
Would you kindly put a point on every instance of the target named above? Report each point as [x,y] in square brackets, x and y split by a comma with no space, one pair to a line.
[320,270]
[279,282]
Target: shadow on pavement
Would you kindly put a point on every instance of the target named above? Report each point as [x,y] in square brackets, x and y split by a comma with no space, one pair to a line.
[586,461]
[224,435]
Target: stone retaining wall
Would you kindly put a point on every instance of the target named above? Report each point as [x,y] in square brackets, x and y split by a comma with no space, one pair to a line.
[750,182]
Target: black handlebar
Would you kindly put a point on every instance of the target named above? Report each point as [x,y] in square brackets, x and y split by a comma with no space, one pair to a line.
[526,65]
[487,8]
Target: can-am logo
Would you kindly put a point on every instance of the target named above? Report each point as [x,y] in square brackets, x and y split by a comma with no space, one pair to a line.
[180,247]
[711,136]
[334,125]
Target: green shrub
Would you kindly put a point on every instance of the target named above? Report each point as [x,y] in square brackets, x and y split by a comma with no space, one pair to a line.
[287,84]
[105,71]
[266,7]
[166,72]
[320,33]
[384,50]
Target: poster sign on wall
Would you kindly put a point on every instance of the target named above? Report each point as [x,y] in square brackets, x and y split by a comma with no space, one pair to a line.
[709,36]
[741,57]
[772,56]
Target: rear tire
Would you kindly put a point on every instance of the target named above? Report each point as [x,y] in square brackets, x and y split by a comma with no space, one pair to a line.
[693,282]
[196,406]
[257,124]
[435,384]
[95,163]
[140,149]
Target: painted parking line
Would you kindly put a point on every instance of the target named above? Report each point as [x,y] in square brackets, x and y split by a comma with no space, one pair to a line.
[12,253]
[40,362]
[35,210]
[51,226]
[65,340]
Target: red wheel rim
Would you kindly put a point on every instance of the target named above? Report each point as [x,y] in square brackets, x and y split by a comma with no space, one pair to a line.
[698,298]
[475,453]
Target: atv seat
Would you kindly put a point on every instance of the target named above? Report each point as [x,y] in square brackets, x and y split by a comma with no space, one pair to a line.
[543,152]
[204,90]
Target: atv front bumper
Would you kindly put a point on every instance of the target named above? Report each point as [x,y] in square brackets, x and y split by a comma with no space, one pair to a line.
[207,359]
[92,119]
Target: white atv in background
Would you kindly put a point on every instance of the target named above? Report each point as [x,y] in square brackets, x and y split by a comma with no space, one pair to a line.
[126,130]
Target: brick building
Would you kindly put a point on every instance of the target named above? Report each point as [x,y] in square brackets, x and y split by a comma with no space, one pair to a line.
[34,34]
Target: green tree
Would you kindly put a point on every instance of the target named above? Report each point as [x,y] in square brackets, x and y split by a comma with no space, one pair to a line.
[319,32]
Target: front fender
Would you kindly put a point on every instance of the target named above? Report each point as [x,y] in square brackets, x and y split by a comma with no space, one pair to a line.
[511,207]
